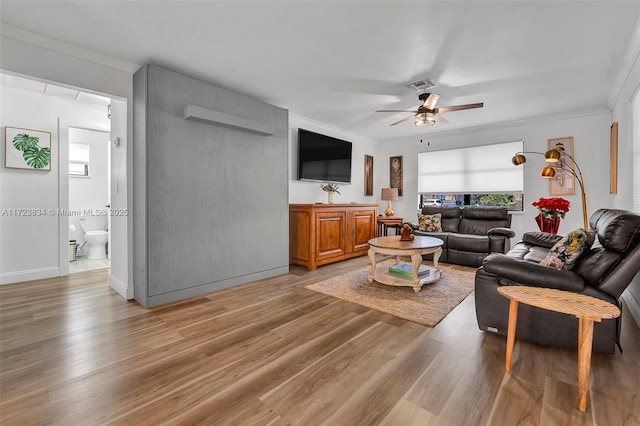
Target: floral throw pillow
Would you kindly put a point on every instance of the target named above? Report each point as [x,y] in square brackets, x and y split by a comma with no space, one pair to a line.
[566,252]
[430,222]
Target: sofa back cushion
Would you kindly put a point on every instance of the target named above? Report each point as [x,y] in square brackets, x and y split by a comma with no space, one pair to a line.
[618,235]
[478,220]
[617,230]
[450,216]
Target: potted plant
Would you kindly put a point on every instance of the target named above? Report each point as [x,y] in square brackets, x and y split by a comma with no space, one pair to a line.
[551,211]
[330,189]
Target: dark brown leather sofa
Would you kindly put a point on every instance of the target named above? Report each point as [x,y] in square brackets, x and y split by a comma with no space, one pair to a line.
[470,234]
[603,272]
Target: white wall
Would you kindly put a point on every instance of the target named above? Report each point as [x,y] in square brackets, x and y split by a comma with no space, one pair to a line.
[591,151]
[622,113]
[120,244]
[90,194]
[30,246]
[303,192]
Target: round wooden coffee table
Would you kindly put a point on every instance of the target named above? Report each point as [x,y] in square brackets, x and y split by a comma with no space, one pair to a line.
[414,249]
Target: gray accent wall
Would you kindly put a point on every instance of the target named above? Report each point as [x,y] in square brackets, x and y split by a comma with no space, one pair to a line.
[210,202]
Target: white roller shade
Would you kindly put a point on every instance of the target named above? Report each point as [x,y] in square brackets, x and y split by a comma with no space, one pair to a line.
[481,169]
[79,152]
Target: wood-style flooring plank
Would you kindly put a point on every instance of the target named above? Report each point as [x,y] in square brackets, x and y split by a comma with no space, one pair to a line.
[272,352]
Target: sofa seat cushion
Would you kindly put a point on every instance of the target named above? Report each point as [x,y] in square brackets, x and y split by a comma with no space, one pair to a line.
[528,252]
[470,243]
[444,236]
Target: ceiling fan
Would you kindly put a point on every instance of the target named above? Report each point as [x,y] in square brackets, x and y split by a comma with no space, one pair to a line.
[427,114]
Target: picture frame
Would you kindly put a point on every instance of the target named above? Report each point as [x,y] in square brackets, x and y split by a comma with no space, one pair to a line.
[563,183]
[368,175]
[613,159]
[395,173]
[27,149]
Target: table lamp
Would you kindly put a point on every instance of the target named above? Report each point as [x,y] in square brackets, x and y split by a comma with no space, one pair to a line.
[389,194]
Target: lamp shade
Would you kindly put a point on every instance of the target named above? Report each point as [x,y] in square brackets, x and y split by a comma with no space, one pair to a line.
[547,172]
[552,156]
[389,194]
[518,159]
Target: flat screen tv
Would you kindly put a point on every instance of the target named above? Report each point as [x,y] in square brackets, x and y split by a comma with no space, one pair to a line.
[323,158]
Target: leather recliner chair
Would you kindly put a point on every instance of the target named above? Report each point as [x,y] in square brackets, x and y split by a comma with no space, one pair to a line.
[603,272]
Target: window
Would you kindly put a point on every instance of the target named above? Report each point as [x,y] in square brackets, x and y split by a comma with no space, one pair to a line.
[481,175]
[78,159]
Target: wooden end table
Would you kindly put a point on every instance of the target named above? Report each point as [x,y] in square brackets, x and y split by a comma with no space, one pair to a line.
[586,308]
[384,223]
[414,249]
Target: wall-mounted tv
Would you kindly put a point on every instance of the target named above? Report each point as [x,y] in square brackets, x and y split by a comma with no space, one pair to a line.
[323,158]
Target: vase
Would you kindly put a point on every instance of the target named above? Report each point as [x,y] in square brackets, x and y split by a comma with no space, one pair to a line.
[330,197]
[548,224]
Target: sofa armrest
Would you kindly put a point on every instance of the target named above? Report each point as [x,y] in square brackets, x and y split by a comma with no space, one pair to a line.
[541,239]
[413,226]
[532,274]
[507,232]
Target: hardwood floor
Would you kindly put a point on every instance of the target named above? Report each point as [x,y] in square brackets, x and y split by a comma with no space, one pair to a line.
[272,352]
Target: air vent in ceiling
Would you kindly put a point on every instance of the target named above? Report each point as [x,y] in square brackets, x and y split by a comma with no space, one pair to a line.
[421,85]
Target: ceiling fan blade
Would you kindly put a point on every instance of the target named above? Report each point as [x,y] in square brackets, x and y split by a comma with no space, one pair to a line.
[430,102]
[396,110]
[458,107]
[440,119]
[404,119]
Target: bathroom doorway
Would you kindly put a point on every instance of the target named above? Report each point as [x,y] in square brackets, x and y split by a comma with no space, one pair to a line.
[89,199]
[56,108]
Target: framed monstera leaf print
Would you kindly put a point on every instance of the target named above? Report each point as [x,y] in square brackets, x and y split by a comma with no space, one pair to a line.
[27,149]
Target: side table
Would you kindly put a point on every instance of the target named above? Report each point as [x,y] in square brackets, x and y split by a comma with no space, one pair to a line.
[384,223]
[586,308]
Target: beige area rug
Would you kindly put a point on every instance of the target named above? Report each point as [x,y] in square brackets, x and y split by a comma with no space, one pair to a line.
[428,307]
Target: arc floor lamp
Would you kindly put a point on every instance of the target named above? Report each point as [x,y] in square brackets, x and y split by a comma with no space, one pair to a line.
[553,156]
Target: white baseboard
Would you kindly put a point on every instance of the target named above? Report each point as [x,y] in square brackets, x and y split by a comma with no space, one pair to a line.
[633,305]
[29,275]
[121,288]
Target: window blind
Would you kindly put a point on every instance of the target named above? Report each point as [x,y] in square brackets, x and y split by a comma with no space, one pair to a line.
[480,169]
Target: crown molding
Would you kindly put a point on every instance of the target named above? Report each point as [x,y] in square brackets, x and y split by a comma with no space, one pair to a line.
[629,61]
[25,36]
[306,121]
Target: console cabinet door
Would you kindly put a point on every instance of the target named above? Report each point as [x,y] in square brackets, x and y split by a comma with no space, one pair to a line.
[363,228]
[330,235]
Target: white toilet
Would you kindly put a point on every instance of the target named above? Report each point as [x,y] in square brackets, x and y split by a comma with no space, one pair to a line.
[96,240]
[95,236]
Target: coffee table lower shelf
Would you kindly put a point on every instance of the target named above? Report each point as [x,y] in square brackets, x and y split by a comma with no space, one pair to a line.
[383,276]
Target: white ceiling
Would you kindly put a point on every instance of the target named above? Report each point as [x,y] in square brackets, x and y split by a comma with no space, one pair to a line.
[337,62]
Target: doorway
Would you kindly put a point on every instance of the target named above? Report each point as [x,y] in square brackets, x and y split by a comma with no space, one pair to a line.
[58,109]
[89,199]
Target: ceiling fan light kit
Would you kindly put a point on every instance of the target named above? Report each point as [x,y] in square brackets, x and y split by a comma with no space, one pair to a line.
[423,120]
[427,114]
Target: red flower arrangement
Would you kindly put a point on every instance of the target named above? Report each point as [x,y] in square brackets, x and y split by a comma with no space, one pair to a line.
[549,207]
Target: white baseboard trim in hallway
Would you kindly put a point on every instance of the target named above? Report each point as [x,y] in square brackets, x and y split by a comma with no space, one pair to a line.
[29,275]
[121,288]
